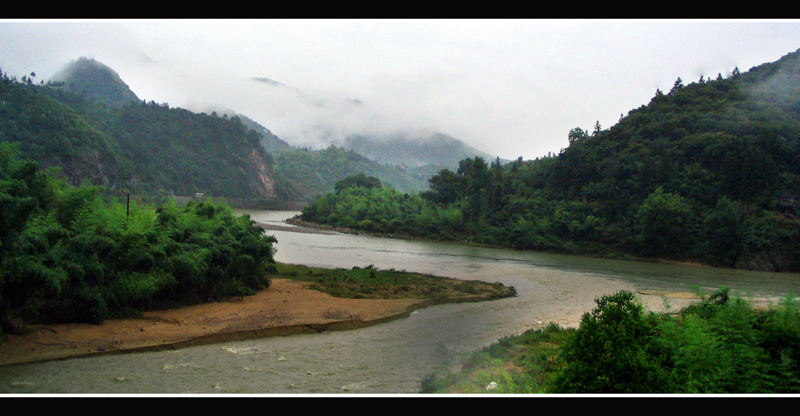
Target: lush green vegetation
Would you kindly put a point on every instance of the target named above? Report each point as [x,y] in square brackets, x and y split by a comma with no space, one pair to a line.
[372,283]
[719,345]
[708,172]
[76,254]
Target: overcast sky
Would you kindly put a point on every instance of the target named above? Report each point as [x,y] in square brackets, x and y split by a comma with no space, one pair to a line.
[508,87]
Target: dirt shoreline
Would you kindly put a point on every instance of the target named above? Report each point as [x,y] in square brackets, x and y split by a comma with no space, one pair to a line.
[286,307]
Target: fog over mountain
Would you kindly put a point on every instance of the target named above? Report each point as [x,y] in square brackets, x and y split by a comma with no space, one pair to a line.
[507,87]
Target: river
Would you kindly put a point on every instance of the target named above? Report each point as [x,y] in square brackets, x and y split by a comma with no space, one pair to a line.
[390,358]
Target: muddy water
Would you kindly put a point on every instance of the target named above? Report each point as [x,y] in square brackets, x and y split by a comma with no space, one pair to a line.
[390,358]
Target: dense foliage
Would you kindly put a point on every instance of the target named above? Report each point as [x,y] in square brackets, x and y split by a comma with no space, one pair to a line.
[719,345]
[71,254]
[708,171]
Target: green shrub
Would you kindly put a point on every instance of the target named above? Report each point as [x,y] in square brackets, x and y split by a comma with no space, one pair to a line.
[719,345]
[613,351]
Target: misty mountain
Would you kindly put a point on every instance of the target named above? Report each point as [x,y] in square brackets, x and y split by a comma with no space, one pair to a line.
[126,144]
[95,80]
[271,143]
[315,172]
[414,149]
[304,174]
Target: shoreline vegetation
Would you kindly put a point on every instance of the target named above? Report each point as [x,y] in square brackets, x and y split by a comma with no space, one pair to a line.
[309,226]
[298,300]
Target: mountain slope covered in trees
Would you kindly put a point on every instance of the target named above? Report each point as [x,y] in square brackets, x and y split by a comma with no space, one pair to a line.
[112,139]
[708,171]
[92,79]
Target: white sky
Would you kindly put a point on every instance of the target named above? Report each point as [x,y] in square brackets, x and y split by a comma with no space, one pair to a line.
[508,87]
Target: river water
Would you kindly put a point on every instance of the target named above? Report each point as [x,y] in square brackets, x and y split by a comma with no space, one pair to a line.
[390,358]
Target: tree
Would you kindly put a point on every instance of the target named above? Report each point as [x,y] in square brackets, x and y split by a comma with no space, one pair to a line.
[23,189]
[725,231]
[612,352]
[597,128]
[661,223]
[445,187]
[357,180]
[476,174]
[577,134]
[677,86]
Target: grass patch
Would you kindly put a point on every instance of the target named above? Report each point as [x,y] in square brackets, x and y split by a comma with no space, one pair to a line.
[513,365]
[371,283]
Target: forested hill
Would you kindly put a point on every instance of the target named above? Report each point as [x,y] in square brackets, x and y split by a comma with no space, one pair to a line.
[123,143]
[708,171]
[90,78]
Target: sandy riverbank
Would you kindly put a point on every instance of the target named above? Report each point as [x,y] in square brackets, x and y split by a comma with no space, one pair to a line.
[286,307]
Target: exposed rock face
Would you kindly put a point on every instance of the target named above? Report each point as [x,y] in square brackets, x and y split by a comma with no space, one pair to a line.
[263,180]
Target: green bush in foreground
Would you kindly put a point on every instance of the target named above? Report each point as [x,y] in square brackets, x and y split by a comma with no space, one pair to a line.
[612,351]
[719,345]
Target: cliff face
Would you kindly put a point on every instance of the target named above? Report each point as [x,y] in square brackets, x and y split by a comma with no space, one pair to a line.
[263,181]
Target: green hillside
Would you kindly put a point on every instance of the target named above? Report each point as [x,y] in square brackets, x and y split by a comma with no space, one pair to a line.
[89,78]
[708,171]
[147,148]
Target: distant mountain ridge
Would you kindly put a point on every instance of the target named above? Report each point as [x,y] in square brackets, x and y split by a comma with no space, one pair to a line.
[414,149]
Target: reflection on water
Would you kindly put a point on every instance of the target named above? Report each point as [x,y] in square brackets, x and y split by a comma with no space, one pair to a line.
[392,357]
